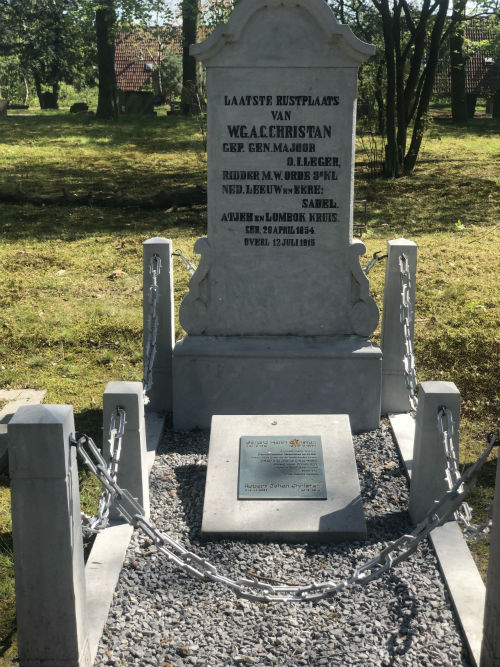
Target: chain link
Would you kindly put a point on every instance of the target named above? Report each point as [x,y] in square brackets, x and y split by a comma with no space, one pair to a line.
[190,267]
[152,325]
[98,522]
[377,257]
[463,514]
[258,591]
[406,317]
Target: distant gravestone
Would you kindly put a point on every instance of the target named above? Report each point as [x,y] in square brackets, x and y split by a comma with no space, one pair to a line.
[48,100]
[279,314]
[136,102]
[79,107]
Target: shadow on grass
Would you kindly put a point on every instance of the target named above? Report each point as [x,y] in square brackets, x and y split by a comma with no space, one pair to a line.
[173,133]
[133,156]
[486,477]
[89,422]
[478,126]
[432,200]
[8,625]
[19,222]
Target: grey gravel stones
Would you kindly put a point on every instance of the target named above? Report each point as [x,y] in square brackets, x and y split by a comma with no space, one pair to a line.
[161,616]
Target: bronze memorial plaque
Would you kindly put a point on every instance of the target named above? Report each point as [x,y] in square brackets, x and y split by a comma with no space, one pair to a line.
[281,467]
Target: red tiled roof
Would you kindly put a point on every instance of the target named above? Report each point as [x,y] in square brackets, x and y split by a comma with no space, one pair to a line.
[481,67]
[136,55]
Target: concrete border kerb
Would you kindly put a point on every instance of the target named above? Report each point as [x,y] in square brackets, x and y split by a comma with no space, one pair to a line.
[462,578]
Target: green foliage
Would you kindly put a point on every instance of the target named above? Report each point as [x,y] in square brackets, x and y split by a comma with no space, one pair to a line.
[171,75]
[13,82]
[216,11]
[68,95]
[50,41]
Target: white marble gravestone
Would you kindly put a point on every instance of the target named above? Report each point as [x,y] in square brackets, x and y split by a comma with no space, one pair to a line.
[279,314]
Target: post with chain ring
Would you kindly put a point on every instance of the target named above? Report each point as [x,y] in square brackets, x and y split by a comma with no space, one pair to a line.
[432,461]
[158,323]
[490,650]
[48,550]
[132,471]
[398,327]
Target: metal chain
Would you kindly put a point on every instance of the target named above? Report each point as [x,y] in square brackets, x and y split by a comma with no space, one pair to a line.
[406,316]
[98,522]
[258,591]
[190,267]
[463,514]
[152,325]
[377,257]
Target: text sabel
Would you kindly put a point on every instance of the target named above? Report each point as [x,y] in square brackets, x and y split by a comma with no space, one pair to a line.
[319,203]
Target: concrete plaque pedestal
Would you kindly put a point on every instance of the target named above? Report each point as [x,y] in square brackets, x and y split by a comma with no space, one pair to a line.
[336,519]
[216,375]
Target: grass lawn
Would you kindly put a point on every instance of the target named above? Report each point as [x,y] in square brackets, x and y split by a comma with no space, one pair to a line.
[71,283]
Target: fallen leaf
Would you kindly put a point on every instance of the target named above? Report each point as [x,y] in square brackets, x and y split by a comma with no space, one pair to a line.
[117,274]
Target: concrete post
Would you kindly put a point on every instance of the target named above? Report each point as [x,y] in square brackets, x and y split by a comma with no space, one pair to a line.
[160,394]
[48,549]
[490,650]
[132,469]
[394,391]
[428,481]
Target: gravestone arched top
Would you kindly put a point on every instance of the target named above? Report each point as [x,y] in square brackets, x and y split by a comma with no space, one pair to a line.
[257,31]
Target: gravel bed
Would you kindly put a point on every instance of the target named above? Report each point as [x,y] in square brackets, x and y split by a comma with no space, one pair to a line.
[161,616]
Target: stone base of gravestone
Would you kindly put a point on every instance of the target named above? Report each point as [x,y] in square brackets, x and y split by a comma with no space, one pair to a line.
[283,508]
[234,375]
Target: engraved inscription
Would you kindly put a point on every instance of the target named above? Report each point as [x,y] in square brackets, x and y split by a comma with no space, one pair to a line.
[280,125]
[281,467]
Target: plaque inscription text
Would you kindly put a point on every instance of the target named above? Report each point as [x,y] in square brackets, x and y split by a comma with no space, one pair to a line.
[281,467]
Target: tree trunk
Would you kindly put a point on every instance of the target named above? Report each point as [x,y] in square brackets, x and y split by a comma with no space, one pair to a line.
[425,95]
[411,60]
[55,94]
[495,103]
[400,86]
[38,89]
[191,70]
[470,102]
[379,97]
[26,90]
[391,162]
[457,63]
[104,23]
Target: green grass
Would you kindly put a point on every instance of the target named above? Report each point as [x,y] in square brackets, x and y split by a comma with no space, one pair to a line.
[66,326]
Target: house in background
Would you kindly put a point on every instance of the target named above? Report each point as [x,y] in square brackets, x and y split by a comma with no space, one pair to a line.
[482,72]
[138,55]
